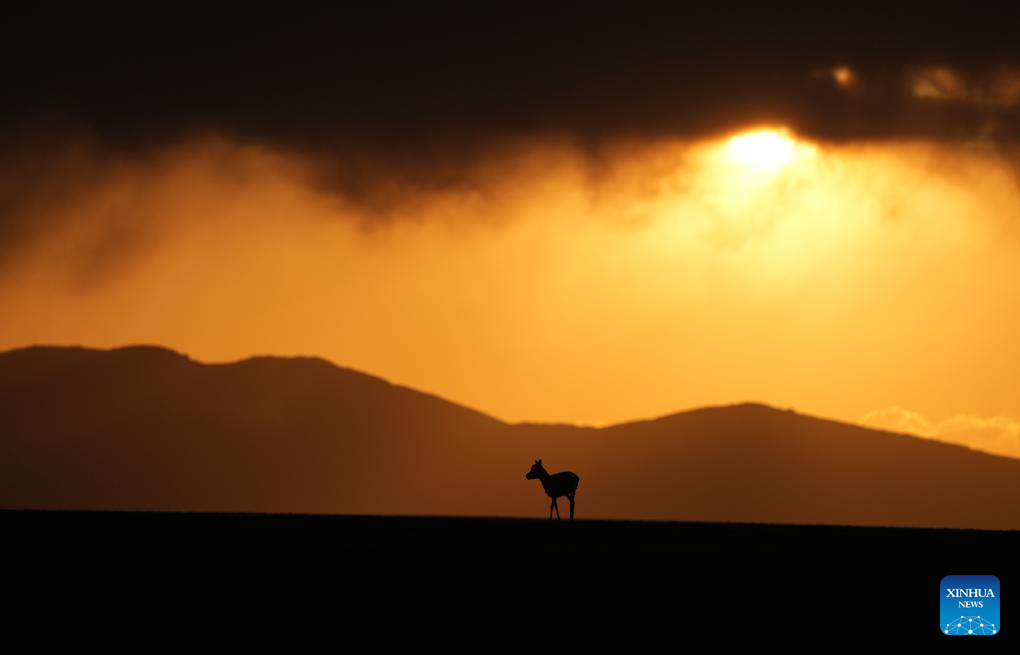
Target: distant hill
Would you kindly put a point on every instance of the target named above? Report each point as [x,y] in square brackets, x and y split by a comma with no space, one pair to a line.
[146,428]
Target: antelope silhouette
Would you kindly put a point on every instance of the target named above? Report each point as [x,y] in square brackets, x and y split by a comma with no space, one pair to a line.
[559,484]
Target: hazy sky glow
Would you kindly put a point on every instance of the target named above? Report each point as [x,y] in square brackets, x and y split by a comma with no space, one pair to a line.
[872,281]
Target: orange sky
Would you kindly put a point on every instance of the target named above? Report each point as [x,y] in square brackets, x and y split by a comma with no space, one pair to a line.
[870,282]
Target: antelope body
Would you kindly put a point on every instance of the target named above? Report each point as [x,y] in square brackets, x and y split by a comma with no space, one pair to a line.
[559,484]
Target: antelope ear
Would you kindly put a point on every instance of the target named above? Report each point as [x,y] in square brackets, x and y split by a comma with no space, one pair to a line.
[539,460]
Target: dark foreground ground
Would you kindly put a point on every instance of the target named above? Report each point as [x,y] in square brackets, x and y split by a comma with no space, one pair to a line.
[292,583]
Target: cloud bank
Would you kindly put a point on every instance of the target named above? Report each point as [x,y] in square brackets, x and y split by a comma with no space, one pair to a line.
[550,283]
[995,434]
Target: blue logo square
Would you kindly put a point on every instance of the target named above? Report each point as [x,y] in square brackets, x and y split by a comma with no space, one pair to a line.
[969,605]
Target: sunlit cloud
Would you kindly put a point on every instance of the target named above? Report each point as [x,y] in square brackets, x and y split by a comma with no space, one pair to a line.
[938,83]
[553,282]
[994,434]
[999,87]
[843,76]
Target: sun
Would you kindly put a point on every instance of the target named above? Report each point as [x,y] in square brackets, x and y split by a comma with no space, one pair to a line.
[763,150]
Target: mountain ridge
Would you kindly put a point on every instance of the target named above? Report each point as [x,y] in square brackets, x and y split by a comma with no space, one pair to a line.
[145,427]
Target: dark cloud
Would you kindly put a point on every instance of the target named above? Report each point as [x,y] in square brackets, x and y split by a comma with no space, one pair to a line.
[388,100]
[399,77]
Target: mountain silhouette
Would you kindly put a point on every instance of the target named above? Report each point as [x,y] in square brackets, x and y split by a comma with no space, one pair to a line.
[145,428]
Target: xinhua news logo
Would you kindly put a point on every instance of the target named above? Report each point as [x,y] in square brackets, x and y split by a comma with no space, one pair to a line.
[969,605]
